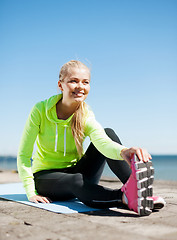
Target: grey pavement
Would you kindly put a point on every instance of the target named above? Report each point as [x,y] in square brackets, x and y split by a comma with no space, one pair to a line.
[18,221]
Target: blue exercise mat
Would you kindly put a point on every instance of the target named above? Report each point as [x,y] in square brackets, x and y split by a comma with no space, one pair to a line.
[16,192]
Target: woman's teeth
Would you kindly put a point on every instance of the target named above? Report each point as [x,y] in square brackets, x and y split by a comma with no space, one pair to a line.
[79,94]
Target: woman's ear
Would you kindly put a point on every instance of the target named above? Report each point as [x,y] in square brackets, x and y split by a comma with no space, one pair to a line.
[60,85]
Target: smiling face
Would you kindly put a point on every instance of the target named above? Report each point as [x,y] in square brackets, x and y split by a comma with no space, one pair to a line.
[76,85]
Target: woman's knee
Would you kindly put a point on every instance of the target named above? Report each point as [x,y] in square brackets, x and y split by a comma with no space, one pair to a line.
[109,131]
[77,180]
[111,134]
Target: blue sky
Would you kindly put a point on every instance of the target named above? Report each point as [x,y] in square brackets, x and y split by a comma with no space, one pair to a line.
[130,46]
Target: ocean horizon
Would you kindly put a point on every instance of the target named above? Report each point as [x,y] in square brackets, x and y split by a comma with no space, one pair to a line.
[165,166]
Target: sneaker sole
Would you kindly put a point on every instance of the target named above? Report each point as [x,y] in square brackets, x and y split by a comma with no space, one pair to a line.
[144,192]
[145,178]
[144,206]
[145,182]
[145,170]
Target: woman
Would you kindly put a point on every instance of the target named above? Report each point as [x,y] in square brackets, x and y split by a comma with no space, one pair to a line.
[60,169]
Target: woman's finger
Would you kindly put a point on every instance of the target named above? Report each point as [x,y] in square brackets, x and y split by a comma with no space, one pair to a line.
[46,200]
[39,199]
[147,156]
[144,159]
[43,200]
[35,201]
[141,153]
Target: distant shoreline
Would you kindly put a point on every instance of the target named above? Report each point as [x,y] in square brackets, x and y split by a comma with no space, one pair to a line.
[153,155]
[165,166]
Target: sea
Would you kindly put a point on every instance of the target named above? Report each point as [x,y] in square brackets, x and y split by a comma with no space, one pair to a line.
[165,166]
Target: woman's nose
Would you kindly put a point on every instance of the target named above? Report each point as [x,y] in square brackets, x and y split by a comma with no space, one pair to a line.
[79,85]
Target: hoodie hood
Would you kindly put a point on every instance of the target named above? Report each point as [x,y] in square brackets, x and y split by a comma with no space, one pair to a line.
[51,110]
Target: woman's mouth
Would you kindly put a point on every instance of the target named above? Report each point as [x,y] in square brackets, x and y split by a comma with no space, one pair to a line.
[78,94]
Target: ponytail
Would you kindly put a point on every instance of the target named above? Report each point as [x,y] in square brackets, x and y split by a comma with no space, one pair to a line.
[77,126]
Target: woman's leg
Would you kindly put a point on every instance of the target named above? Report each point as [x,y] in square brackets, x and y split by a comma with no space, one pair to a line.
[119,167]
[63,186]
[92,163]
[81,180]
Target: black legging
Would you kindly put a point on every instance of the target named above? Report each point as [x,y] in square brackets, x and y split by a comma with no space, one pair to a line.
[81,181]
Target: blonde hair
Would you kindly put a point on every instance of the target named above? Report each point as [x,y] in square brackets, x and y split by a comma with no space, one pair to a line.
[77,122]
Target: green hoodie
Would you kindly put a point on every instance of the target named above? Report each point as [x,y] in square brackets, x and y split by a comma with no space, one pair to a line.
[55,143]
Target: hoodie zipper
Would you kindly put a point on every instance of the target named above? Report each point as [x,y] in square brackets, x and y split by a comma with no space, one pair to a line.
[56,139]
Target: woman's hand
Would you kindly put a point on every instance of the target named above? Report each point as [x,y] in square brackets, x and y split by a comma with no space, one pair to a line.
[142,154]
[39,199]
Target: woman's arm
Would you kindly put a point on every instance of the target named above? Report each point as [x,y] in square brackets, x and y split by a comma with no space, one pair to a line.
[108,147]
[30,132]
[100,139]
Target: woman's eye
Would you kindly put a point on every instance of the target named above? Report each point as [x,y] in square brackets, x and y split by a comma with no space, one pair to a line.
[87,82]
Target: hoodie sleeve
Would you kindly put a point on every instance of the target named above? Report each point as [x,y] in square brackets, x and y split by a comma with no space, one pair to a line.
[100,139]
[30,132]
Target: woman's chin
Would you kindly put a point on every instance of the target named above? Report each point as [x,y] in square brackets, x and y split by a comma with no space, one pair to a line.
[79,99]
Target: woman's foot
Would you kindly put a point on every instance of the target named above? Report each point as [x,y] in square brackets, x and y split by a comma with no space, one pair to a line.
[158,202]
[138,187]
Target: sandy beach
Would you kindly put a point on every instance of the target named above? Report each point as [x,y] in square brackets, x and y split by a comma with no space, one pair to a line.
[20,221]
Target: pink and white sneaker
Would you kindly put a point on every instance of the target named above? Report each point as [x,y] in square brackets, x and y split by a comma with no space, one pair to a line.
[138,187]
[158,202]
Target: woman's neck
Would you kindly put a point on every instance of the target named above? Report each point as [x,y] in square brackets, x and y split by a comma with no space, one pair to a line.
[64,111]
